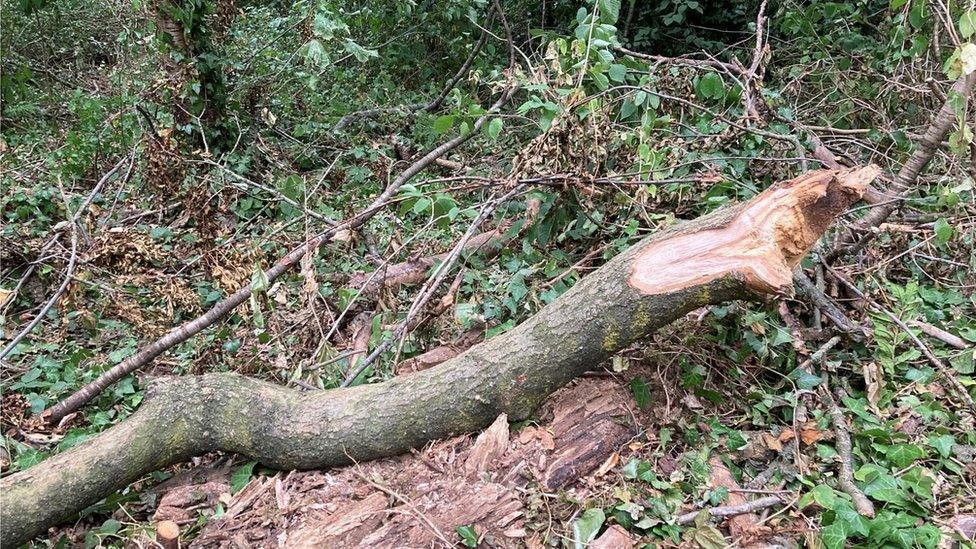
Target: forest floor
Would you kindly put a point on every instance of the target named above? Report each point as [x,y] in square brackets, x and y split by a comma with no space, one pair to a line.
[838,416]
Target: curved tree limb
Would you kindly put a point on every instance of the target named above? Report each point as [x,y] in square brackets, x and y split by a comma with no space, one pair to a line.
[737,252]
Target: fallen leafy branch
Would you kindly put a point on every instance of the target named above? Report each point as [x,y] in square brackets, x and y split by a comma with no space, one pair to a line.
[222,308]
[904,180]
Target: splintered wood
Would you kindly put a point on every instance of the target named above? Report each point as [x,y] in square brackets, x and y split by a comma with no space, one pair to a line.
[418,500]
[761,245]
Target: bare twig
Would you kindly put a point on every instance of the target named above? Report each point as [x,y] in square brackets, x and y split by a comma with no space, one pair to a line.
[842,439]
[938,333]
[824,303]
[278,194]
[733,510]
[427,291]
[905,179]
[818,356]
[57,294]
[72,221]
[806,399]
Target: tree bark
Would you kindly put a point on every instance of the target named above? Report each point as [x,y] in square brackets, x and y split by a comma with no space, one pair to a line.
[737,252]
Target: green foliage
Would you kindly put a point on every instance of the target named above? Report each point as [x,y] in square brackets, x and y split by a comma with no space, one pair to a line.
[469,537]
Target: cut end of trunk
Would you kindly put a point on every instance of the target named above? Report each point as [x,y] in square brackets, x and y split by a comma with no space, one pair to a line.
[761,244]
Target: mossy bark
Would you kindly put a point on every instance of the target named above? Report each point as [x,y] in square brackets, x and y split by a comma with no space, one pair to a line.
[511,374]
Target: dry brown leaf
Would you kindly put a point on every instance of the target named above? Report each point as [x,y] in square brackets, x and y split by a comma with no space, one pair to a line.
[809,433]
[343,235]
[786,435]
[772,442]
[874,381]
[609,464]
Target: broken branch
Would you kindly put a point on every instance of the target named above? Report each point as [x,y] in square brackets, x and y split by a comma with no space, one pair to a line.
[753,249]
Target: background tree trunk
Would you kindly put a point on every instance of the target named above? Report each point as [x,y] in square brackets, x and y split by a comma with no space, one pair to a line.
[737,252]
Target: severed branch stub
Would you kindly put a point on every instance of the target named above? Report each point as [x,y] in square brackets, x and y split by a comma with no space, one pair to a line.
[739,252]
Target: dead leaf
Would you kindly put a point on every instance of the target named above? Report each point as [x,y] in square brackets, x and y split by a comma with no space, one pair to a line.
[874,381]
[772,442]
[809,433]
[609,464]
[4,296]
[614,538]
[343,235]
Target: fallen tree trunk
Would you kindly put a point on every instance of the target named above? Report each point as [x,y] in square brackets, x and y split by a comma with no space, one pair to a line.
[737,252]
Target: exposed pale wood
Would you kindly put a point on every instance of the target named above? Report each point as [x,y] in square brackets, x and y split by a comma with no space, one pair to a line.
[168,534]
[488,447]
[761,244]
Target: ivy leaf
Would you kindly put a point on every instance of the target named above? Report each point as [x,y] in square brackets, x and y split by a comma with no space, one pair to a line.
[833,536]
[241,476]
[849,517]
[710,86]
[642,395]
[705,535]
[587,526]
[805,380]
[942,444]
[495,128]
[824,496]
[903,455]
[443,123]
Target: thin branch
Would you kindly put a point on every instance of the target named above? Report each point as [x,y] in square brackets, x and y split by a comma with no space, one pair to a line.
[824,303]
[842,439]
[427,291]
[733,510]
[54,298]
[905,179]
